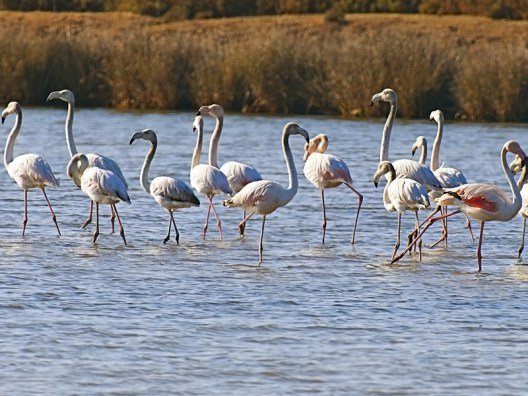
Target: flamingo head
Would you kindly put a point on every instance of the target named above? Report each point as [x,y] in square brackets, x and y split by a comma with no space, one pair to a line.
[384,167]
[12,108]
[198,124]
[387,95]
[213,110]
[146,134]
[513,147]
[437,116]
[76,167]
[292,128]
[65,95]
[318,144]
[517,164]
[420,142]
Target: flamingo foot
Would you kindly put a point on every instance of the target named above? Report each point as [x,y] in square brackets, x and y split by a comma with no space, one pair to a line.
[521,248]
[442,238]
[112,220]
[166,239]
[396,247]
[177,237]
[88,221]
[24,223]
[122,233]
[95,235]
[204,231]
[219,224]
[54,218]
[470,230]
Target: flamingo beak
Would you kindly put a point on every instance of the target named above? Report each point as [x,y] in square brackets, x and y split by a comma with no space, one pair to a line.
[413,151]
[376,183]
[198,113]
[3,119]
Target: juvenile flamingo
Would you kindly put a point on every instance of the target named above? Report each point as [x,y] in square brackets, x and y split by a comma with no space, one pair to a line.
[101,185]
[265,196]
[98,160]
[327,171]
[169,193]
[27,170]
[481,201]
[238,174]
[516,166]
[401,194]
[207,179]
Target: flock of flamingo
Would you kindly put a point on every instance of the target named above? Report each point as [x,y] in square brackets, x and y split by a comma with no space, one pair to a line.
[411,185]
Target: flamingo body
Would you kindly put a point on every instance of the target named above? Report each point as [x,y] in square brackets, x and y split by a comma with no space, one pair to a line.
[103,186]
[31,171]
[172,194]
[209,180]
[239,174]
[326,171]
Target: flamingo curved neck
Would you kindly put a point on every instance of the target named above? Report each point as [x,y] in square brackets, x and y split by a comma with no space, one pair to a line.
[522,179]
[423,155]
[146,167]
[197,149]
[517,199]
[10,143]
[69,130]
[435,155]
[290,164]
[384,150]
[215,139]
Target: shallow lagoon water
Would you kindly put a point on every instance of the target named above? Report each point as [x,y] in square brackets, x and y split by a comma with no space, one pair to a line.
[200,318]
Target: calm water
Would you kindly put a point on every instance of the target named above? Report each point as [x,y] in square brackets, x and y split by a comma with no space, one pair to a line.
[199,318]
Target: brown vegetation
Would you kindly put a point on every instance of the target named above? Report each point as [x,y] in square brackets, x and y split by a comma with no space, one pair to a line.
[470,67]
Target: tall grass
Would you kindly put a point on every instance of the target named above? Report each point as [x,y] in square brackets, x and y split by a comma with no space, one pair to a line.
[262,67]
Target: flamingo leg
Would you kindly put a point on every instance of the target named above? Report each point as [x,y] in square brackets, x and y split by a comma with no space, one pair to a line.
[429,224]
[418,232]
[360,202]
[242,225]
[25,218]
[53,216]
[218,222]
[324,215]
[112,218]
[468,226]
[443,211]
[261,238]
[96,233]
[397,245]
[170,225]
[175,228]
[521,248]
[410,236]
[479,247]
[89,219]
[204,229]
[121,229]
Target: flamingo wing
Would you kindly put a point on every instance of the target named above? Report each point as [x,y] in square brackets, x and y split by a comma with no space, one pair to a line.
[31,170]
[407,194]
[238,174]
[209,180]
[325,170]
[103,162]
[173,190]
[450,177]
[100,183]
[416,171]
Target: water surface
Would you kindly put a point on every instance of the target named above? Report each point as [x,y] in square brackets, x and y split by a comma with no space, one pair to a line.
[200,318]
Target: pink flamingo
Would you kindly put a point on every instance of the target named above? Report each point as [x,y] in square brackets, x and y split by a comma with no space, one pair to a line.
[263,197]
[481,201]
[327,171]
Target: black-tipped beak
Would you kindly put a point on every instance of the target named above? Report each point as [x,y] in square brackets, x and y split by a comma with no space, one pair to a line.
[307,139]
[430,120]
[135,136]
[132,140]
[194,129]
[413,151]
[371,104]
[3,119]
[198,113]
[376,183]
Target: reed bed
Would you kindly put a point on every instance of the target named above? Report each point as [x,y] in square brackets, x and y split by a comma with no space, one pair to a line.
[468,67]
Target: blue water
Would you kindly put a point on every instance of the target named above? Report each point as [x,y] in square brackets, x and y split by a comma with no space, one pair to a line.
[200,318]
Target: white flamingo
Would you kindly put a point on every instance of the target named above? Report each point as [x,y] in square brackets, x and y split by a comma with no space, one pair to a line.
[206,179]
[516,166]
[483,202]
[101,185]
[449,177]
[169,193]
[237,174]
[27,170]
[97,160]
[401,194]
[263,197]
[403,167]
[327,171]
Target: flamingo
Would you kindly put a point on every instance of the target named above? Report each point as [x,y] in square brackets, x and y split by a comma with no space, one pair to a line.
[401,194]
[98,160]
[449,177]
[327,171]
[483,202]
[516,166]
[27,170]
[207,179]
[403,167]
[263,197]
[238,174]
[101,185]
[169,193]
